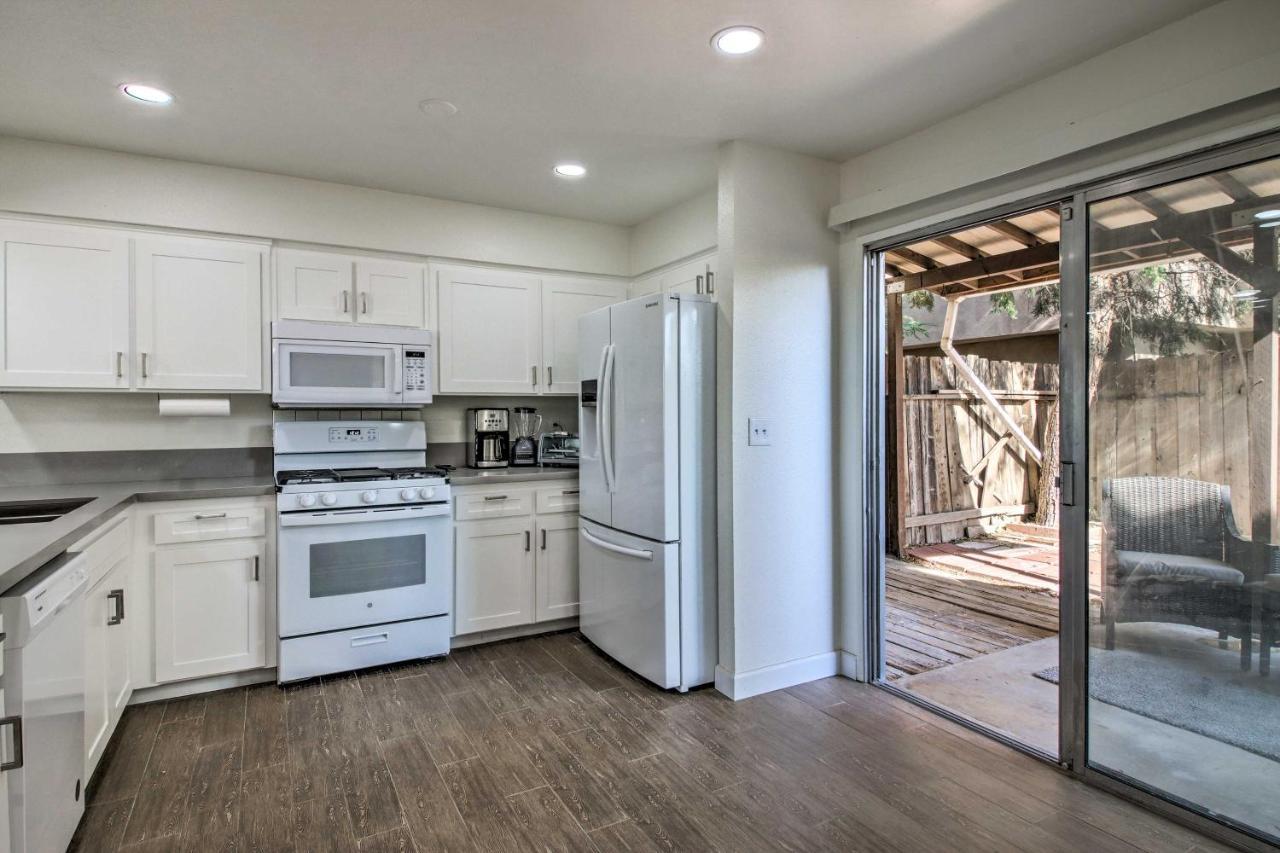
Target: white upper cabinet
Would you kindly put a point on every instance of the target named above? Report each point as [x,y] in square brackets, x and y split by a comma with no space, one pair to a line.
[339,288]
[314,286]
[64,307]
[696,277]
[198,314]
[564,300]
[391,293]
[490,336]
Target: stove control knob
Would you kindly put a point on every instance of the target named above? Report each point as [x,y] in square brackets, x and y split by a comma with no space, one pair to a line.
[408,494]
[328,499]
[369,496]
[306,500]
[427,493]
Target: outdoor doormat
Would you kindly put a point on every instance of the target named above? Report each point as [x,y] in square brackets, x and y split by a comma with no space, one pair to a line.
[1239,708]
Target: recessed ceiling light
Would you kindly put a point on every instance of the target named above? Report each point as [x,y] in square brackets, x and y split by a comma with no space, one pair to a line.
[146,94]
[735,41]
[1267,214]
[570,170]
[438,107]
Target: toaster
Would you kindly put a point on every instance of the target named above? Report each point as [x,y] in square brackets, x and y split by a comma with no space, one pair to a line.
[558,449]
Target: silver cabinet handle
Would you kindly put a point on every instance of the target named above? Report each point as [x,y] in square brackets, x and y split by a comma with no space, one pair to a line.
[533,375]
[364,302]
[346,306]
[116,596]
[119,365]
[144,365]
[16,722]
[698,286]
[550,380]
[544,539]
[203,515]
[495,497]
[570,492]
[527,540]
[256,566]
[711,282]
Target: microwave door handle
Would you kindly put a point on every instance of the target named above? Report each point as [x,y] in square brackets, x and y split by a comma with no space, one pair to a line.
[398,371]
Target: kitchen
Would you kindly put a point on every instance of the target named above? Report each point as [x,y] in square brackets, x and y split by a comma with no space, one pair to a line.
[408,441]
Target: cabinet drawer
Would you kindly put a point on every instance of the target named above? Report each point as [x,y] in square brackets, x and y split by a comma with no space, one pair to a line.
[498,503]
[202,525]
[561,498]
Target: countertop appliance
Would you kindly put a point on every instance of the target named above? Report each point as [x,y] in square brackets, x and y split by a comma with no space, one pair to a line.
[43,726]
[525,422]
[364,546]
[490,444]
[332,365]
[647,556]
[558,449]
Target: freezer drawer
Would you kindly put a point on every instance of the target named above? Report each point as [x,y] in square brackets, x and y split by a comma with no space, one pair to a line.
[630,601]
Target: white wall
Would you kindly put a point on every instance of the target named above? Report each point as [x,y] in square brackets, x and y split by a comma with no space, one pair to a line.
[1225,53]
[66,180]
[778,276]
[674,234]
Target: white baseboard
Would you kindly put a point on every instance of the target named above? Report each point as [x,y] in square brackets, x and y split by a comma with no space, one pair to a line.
[201,685]
[850,666]
[500,634]
[743,685]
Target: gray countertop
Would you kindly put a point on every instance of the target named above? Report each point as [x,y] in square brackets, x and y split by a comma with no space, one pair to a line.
[26,547]
[478,476]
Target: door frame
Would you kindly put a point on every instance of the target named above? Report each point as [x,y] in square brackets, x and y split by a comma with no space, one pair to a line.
[1073,440]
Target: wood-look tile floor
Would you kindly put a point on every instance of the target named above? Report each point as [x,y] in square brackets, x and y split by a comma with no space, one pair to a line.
[544,744]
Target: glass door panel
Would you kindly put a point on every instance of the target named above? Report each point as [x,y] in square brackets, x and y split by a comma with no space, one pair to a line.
[1182,493]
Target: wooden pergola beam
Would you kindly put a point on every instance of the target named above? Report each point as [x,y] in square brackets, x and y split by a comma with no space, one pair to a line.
[1013,232]
[911,256]
[969,271]
[1213,220]
[1232,187]
[960,247]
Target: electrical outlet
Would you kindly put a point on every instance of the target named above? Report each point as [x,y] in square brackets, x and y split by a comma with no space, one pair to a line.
[759,431]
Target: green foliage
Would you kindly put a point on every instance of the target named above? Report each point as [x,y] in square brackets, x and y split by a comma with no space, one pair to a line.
[1004,303]
[920,299]
[913,328]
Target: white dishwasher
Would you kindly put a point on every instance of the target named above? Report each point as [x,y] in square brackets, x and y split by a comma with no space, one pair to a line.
[42,732]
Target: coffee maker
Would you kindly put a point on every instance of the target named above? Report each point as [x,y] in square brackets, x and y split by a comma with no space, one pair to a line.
[490,444]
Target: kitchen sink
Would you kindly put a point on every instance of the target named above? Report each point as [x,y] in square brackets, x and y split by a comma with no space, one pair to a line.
[38,512]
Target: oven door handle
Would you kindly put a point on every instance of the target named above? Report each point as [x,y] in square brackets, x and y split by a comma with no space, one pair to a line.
[310,518]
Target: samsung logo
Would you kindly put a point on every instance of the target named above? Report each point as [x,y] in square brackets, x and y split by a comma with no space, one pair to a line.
[651,305]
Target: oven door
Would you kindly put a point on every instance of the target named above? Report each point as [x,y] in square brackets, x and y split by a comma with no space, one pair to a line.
[354,567]
[307,373]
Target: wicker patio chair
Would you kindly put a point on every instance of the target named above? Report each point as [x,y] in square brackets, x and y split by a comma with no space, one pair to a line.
[1173,554]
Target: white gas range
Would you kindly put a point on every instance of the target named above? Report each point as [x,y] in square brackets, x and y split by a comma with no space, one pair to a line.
[365,546]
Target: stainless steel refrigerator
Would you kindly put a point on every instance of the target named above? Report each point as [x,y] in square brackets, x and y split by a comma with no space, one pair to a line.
[647,537]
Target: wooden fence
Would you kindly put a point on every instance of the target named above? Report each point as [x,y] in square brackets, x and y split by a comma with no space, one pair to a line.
[1181,416]
[1178,416]
[963,467]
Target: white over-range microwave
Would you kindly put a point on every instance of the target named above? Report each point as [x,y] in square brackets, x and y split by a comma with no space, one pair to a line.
[337,364]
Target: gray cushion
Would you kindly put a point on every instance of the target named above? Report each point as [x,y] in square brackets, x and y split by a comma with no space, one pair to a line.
[1176,567]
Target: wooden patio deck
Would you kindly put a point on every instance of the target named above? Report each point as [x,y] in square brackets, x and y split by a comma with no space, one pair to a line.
[957,601]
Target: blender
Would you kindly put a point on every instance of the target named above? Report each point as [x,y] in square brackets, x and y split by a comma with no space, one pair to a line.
[525,423]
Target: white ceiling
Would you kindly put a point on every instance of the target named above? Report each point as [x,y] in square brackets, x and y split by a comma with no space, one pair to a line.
[329,89]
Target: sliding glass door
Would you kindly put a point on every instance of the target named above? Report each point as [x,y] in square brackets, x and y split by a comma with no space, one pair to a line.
[1173,390]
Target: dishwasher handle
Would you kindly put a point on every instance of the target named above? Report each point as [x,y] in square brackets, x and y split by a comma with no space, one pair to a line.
[16,761]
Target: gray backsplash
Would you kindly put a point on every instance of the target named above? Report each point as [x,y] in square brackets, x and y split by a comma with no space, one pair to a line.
[123,466]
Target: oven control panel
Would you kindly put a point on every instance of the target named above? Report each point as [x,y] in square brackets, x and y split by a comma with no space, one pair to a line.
[415,370]
[360,496]
[353,435]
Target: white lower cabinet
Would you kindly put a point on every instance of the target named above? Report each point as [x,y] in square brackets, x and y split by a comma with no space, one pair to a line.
[556,573]
[108,674]
[515,570]
[209,609]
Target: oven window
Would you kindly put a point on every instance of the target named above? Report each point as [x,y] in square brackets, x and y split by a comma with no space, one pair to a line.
[336,370]
[368,565]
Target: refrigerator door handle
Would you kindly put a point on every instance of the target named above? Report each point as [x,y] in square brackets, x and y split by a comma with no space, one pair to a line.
[606,421]
[617,549]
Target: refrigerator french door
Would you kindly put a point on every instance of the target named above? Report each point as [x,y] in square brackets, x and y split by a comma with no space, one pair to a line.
[646,477]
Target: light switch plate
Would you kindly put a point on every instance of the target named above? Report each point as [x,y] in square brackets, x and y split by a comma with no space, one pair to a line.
[759,431]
